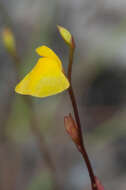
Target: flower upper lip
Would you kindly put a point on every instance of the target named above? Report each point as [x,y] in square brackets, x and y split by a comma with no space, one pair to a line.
[44,51]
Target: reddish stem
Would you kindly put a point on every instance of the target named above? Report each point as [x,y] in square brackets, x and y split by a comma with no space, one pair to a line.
[76,113]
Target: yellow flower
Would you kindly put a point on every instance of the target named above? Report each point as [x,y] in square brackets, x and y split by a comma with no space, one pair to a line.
[46,78]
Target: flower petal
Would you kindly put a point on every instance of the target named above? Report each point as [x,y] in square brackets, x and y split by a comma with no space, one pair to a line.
[44,51]
[45,79]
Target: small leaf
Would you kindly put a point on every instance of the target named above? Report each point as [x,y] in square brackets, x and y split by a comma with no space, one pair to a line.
[66,35]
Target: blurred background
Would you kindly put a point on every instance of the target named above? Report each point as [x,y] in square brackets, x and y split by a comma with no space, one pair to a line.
[35,151]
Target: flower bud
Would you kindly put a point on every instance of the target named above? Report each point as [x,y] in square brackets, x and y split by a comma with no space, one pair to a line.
[72,129]
[66,35]
[8,40]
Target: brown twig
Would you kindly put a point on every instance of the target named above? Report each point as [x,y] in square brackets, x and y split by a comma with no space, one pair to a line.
[81,148]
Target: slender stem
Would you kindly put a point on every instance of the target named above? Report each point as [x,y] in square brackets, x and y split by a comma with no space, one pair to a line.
[34,127]
[36,131]
[76,114]
[71,54]
[42,144]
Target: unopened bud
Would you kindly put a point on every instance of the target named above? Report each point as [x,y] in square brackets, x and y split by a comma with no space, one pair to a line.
[66,35]
[72,129]
[9,40]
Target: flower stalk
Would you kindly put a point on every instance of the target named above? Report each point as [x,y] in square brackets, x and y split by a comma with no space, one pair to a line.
[43,148]
[11,49]
[80,147]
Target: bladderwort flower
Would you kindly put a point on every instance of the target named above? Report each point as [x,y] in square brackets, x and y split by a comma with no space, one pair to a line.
[46,78]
